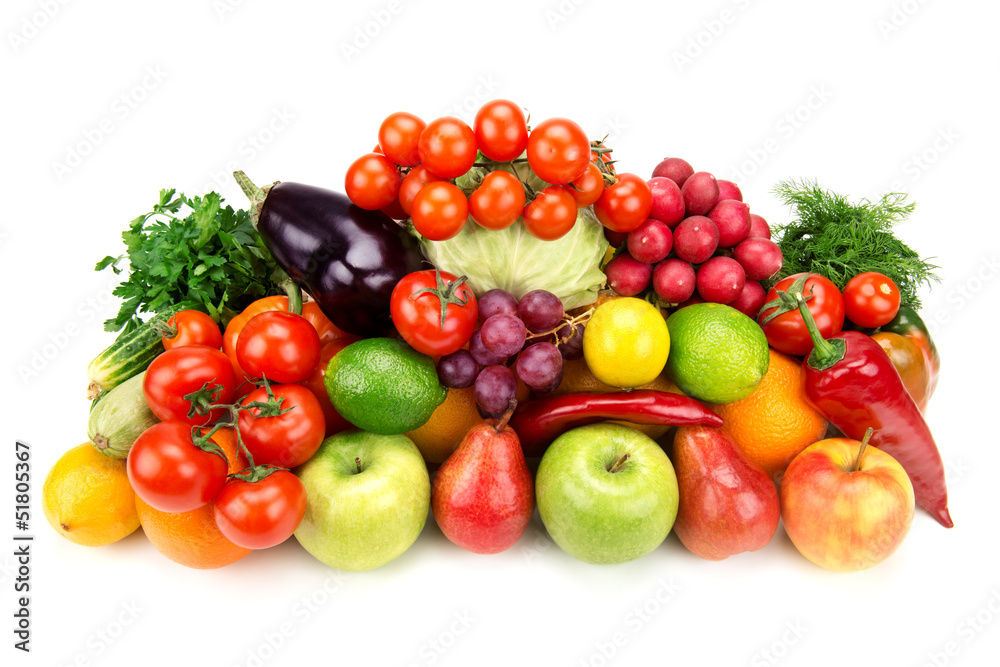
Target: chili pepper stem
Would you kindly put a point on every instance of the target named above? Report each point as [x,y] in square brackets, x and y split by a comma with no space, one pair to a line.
[825,353]
[861,452]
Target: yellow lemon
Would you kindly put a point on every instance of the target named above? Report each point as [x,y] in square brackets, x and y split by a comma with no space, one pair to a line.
[626,342]
[86,498]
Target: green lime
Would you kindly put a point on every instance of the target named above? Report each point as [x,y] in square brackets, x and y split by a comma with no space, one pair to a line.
[717,354]
[383,386]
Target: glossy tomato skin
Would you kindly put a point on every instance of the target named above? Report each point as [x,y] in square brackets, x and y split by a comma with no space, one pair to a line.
[335,423]
[193,328]
[181,371]
[447,147]
[412,183]
[498,201]
[551,214]
[501,130]
[399,137]
[787,332]
[285,440]
[170,473]
[372,181]
[871,299]
[625,205]
[558,151]
[279,346]
[261,514]
[439,211]
[587,189]
[417,317]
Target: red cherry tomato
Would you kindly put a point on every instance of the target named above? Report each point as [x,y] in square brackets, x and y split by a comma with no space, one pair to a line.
[279,346]
[787,332]
[498,201]
[185,370]
[417,315]
[447,147]
[260,514]
[558,151]
[501,130]
[439,211]
[588,188]
[871,299]
[625,205]
[413,183]
[334,422]
[288,439]
[192,327]
[372,181]
[399,136]
[168,471]
[551,214]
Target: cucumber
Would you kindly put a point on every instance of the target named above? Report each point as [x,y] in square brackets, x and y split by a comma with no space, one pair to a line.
[119,417]
[128,356]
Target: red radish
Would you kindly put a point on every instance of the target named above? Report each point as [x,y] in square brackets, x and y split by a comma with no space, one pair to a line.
[668,204]
[733,220]
[674,280]
[614,238]
[761,258]
[674,168]
[720,280]
[750,300]
[759,228]
[695,239]
[650,242]
[628,276]
[700,192]
[729,190]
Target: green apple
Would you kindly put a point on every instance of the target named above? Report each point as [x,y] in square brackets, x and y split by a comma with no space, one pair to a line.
[606,493]
[367,499]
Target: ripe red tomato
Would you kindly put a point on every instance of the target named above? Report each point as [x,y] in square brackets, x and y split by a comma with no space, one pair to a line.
[551,214]
[501,130]
[439,211]
[372,181]
[558,151]
[182,371]
[498,201]
[588,188]
[787,332]
[871,299]
[279,346]
[261,514]
[625,205]
[192,327]
[447,147]
[334,422]
[168,471]
[399,136]
[417,315]
[288,439]
[412,183]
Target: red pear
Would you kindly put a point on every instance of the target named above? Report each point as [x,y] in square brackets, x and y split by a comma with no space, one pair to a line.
[483,495]
[728,503]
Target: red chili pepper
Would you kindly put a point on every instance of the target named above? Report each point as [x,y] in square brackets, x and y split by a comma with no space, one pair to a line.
[852,382]
[539,422]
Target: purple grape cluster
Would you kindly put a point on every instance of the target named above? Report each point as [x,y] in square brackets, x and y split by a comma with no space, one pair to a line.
[507,346]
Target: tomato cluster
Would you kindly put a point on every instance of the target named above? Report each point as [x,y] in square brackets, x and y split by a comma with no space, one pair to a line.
[412,171]
[196,389]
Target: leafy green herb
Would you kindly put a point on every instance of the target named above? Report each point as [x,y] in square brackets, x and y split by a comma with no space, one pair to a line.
[839,239]
[212,260]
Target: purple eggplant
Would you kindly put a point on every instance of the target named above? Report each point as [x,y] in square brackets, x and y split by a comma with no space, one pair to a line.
[347,258]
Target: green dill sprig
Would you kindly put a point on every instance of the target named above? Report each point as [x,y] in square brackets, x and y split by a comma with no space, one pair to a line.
[211,260]
[840,239]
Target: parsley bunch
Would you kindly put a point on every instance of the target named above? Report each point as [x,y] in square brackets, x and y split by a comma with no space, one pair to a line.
[839,239]
[212,260]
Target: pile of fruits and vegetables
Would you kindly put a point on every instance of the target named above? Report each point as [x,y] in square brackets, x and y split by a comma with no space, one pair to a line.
[492,319]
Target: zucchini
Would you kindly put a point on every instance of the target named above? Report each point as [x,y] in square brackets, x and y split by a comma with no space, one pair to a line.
[129,355]
[119,417]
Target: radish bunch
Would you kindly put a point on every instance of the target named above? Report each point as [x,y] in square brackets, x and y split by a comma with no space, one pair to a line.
[700,243]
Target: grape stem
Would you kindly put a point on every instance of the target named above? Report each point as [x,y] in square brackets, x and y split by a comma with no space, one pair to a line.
[571,321]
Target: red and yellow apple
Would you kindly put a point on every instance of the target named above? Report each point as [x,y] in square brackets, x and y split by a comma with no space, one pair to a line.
[846,506]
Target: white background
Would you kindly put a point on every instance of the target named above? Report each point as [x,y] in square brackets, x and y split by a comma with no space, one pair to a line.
[866,96]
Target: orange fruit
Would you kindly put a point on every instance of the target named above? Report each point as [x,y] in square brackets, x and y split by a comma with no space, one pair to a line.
[577,377]
[192,538]
[775,422]
[450,421]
